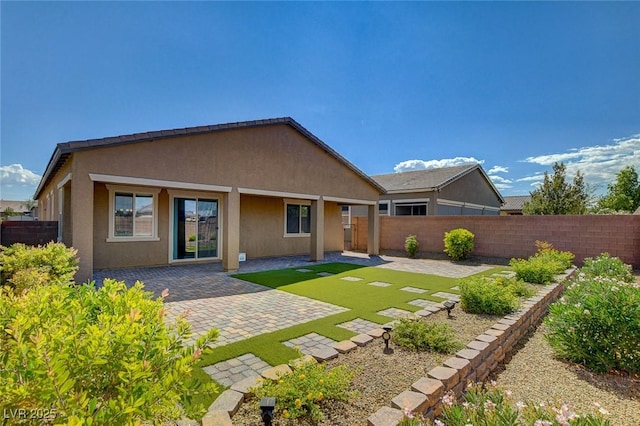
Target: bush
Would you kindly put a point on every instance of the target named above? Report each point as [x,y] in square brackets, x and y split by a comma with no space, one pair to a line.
[423,335]
[302,393]
[597,324]
[605,265]
[411,245]
[96,356]
[24,266]
[491,405]
[458,243]
[493,296]
[544,265]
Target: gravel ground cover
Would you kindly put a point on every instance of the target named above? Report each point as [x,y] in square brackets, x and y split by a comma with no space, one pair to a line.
[534,374]
[381,377]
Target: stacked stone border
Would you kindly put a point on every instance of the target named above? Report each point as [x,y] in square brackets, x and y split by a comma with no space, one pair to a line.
[474,363]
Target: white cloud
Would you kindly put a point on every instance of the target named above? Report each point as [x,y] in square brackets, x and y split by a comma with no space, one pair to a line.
[498,169]
[501,186]
[17,183]
[409,165]
[499,179]
[534,178]
[598,164]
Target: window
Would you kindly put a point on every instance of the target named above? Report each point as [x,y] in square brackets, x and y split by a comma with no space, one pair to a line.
[133,214]
[383,208]
[298,219]
[411,209]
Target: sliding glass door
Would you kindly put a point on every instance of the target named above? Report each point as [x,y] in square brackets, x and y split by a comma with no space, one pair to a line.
[195,228]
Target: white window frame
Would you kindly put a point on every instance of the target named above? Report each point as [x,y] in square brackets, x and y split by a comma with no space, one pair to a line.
[295,203]
[388,203]
[134,190]
[425,204]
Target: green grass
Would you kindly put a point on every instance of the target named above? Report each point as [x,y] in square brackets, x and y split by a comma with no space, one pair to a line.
[362,300]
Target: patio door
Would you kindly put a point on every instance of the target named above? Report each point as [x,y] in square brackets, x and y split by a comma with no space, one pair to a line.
[195,228]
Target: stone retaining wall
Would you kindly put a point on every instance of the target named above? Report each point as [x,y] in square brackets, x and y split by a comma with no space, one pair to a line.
[472,364]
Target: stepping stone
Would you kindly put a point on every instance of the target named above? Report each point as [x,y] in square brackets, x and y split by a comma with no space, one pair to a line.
[216,418]
[423,303]
[351,279]
[445,295]
[362,339]
[379,284]
[302,361]
[413,290]
[304,270]
[324,274]
[376,333]
[344,346]
[456,288]
[244,385]
[385,416]
[274,373]
[324,354]
[358,325]
[423,313]
[395,313]
[228,401]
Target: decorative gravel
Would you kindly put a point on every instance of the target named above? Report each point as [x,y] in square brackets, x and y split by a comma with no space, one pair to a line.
[381,377]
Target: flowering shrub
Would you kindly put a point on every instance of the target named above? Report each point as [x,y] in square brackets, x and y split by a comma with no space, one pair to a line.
[411,245]
[542,266]
[597,323]
[493,406]
[607,266]
[96,356]
[302,393]
[458,243]
[24,267]
[422,335]
[492,295]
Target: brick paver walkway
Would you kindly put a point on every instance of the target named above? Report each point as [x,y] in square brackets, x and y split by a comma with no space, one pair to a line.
[309,343]
[236,369]
[359,325]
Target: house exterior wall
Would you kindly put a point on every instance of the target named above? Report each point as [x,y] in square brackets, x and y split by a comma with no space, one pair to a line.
[471,188]
[276,160]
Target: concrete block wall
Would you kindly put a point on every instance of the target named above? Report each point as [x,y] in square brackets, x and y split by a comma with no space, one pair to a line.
[32,233]
[513,236]
[475,363]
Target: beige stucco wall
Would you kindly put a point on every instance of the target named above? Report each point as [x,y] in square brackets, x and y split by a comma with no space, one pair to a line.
[471,188]
[268,158]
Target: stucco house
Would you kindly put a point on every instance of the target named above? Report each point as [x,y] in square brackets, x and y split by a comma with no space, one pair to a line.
[458,190]
[200,194]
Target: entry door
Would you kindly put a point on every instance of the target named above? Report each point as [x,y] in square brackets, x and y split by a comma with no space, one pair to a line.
[195,228]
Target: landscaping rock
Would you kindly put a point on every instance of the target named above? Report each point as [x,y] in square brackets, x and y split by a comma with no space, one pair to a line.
[216,418]
[274,373]
[244,386]
[229,401]
[386,416]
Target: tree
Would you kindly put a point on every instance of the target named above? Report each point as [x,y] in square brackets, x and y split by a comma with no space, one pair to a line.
[29,204]
[557,196]
[624,193]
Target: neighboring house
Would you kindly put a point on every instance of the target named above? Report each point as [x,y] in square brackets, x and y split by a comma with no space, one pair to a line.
[513,205]
[18,208]
[459,190]
[258,188]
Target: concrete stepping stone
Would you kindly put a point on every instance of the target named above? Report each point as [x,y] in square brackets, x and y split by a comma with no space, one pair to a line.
[424,303]
[358,325]
[344,346]
[376,333]
[324,353]
[216,418]
[448,296]
[362,339]
[244,386]
[413,290]
[236,369]
[385,416]
[379,284]
[303,270]
[308,343]
[456,288]
[325,274]
[274,373]
[354,279]
[423,313]
[228,401]
[395,313]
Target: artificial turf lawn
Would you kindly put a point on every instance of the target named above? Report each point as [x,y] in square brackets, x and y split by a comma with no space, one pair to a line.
[362,300]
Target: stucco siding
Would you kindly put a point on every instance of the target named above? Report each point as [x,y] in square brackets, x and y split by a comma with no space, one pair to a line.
[471,188]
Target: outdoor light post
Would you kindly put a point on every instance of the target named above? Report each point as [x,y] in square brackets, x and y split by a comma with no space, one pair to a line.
[267,405]
[386,336]
[449,305]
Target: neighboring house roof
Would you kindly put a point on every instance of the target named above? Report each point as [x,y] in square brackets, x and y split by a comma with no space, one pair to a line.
[16,206]
[64,150]
[515,202]
[428,179]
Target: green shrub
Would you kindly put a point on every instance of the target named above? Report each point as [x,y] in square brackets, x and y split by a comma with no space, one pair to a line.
[51,262]
[422,335]
[411,245]
[303,393]
[597,323]
[546,251]
[493,296]
[492,406]
[96,356]
[535,270]
[605,265]
[458,243]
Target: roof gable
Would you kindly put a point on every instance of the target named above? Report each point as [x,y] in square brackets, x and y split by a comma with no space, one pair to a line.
[64,150]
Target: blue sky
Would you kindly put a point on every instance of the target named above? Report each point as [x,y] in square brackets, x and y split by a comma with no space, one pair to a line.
[392,86]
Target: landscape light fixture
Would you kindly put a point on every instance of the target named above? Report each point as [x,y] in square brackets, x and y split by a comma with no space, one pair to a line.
[449,305]
[386,336]
[267,405]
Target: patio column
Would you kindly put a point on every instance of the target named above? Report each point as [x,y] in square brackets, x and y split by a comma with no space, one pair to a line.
[231,230]
[82,224]
[373,236]
[317,230]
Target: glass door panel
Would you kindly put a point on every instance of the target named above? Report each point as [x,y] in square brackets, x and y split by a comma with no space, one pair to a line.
[195,228]
[207,228]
